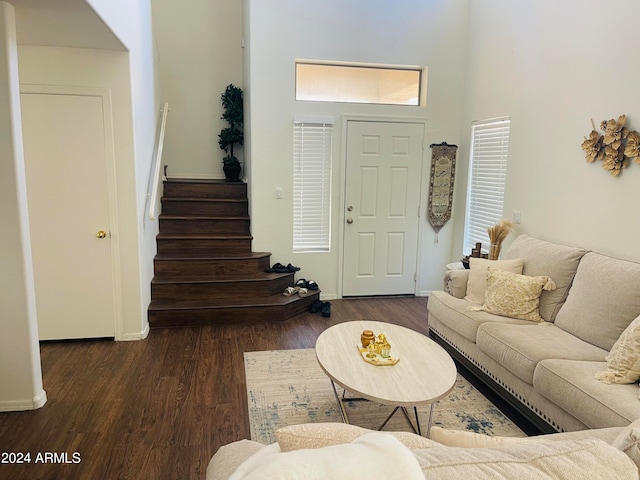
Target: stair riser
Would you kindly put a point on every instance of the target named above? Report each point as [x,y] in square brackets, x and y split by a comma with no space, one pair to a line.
[196,225]
[229,315]
[221,266]
[218,208]
[218,290]
[205,190]
[203,246]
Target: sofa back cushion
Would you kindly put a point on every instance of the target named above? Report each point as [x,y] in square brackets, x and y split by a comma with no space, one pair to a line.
[603,300]
[541,258]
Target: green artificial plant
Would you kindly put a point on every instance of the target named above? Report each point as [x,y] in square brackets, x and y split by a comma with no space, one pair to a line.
[232,103]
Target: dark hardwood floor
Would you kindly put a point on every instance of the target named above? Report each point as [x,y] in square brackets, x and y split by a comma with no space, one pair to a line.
[161,407]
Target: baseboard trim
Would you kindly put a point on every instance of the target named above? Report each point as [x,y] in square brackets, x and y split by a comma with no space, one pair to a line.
[131,337]
[36,402]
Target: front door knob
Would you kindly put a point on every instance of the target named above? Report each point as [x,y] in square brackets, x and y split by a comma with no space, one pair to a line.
[349,221]
[101,234]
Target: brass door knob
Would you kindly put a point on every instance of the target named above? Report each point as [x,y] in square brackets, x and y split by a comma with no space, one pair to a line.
[101,234]
[349,221]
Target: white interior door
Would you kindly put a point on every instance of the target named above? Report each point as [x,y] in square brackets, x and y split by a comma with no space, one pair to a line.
[382,199]
[67,192]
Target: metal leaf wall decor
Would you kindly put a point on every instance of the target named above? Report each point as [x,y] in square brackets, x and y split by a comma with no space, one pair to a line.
[615,147]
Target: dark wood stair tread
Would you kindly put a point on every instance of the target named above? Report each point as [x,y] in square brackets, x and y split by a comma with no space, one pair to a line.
[213,303]
[166,279]
[226,256]
[203,199]
[201,236]
[164,216]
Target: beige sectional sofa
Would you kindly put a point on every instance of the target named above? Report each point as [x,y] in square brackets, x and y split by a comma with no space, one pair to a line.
[588,327]
[332,451]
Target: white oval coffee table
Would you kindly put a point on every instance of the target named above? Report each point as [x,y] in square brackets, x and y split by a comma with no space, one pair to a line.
[425,373]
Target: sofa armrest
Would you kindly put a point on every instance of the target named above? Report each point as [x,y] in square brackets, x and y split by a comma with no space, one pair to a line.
[455,282]
[229,457]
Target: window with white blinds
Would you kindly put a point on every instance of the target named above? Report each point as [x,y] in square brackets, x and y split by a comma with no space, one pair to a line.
[312,186]
[487,177]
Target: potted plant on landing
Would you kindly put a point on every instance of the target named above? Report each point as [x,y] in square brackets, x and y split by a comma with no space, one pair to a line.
[232,103]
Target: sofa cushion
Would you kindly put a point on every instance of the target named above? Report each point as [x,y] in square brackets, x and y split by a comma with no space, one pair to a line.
[623,361]
[519,348]
[571,385]
[372,452]
[545,258]
[574,459]
[603,300]
[456,314]
[477,282]
[318,435]
[515,296]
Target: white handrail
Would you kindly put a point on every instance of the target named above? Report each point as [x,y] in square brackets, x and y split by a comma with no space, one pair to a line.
[157,166]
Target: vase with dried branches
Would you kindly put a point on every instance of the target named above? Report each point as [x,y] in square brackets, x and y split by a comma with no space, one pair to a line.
[497,234]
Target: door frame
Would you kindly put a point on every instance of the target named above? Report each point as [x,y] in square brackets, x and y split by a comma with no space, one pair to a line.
[343,183]
[107,116]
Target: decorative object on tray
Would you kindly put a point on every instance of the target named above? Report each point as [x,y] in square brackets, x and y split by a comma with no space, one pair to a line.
[497,234]
[443,168]
[376,349]
[615,147]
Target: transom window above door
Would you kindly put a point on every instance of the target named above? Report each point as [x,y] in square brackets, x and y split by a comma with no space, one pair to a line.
[386,84]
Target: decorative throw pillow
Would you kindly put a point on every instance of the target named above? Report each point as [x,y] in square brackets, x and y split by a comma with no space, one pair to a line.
[467,439]
[623,361]
[477,283]
[516,296]
[319,435]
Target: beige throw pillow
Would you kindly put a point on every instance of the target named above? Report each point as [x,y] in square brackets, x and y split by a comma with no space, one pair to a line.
[623,361]
[477,283]
[467,439]
[515,296]
[319,435]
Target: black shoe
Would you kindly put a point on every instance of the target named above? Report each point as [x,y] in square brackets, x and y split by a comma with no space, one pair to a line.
[326,309]
[316,306]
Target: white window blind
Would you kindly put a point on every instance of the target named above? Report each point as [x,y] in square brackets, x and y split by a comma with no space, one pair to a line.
[312,186]
[487,177]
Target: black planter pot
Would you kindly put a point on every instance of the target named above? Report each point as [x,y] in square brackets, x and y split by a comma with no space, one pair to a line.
[232,171]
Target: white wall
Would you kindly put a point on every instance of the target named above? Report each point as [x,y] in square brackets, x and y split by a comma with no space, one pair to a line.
[410,32]
[199,54]
[553,67]
[132,23]
[20,372]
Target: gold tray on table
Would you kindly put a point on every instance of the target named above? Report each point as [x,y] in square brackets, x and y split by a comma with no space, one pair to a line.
[375,358]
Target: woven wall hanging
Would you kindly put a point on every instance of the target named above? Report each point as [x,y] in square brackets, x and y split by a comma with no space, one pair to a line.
[443,169]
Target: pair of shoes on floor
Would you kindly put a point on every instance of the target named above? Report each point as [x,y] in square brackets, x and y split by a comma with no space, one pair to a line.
[290,291]
[279,268]
[308,284]
[323,307]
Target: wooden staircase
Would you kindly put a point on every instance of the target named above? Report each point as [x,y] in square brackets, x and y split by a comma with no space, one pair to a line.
[205,271]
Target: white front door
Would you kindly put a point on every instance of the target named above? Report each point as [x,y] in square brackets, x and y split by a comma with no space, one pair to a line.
[382,199]
[67,193]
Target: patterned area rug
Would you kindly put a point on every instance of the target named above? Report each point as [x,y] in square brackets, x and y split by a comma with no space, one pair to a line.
[288,387]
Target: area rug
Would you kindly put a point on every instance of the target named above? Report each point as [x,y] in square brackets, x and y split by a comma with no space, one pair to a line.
[288,387]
